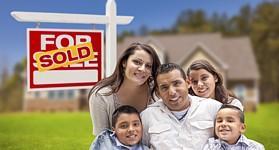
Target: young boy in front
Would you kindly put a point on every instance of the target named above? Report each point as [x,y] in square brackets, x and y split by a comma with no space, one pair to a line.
[229,129]
[126,132]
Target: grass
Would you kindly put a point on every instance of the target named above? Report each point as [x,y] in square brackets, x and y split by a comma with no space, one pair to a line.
[41,131]
[262,126]
[72,131]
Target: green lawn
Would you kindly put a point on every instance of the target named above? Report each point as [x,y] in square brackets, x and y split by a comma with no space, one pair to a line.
[57,131]
[263,126]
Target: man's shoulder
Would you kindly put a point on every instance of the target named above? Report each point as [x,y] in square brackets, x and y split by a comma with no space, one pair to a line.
[153,108]
[206,106]
[158,104]
[203,100]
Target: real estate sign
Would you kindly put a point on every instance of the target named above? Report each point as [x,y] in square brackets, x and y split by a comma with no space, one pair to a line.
[63,58]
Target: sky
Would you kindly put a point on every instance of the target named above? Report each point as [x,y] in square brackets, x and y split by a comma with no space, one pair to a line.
[154,14]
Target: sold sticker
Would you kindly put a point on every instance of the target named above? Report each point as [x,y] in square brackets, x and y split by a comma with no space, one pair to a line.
[64,56]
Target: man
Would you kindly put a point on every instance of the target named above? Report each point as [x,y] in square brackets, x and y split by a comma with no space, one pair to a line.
[178,121]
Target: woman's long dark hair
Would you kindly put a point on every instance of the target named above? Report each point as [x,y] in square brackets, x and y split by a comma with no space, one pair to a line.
[116,79]
[221,93]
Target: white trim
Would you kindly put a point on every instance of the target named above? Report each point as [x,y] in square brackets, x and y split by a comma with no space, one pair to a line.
[208,51]
[67,18]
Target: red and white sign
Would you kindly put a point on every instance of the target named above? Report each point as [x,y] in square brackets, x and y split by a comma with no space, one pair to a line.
[64,58]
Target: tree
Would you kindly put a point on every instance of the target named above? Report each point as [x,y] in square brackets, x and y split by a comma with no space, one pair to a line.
[265,38]
[241,24]
[124,34]
[11,91]
[191,21]
[220,23]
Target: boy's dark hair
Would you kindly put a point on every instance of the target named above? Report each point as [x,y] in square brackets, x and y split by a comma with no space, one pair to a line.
[125,109]
[240,112]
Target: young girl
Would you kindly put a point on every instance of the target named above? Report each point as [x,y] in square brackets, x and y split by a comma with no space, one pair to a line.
[205,81]
[130,84]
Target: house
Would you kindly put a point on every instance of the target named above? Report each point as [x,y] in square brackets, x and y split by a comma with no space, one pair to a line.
[233,57]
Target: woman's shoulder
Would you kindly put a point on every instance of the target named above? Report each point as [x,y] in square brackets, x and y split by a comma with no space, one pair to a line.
[102,95]
[103,90]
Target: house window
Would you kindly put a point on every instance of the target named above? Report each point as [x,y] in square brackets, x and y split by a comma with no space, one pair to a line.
[37,94]
[61,94]
[240,91]
[51,95]
[70,94]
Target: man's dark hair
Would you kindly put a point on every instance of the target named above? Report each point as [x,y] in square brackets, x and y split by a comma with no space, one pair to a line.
[168,67]
[125,109]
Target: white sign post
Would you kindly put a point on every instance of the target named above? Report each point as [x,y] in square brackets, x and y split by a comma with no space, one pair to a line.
[110,19]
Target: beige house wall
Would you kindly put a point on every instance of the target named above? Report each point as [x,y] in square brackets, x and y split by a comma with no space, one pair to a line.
[44,94]
[249,95]
[46,105]
[39,101]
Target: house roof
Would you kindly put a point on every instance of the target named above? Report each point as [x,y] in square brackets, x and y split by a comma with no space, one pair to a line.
[234,54]
[206,50]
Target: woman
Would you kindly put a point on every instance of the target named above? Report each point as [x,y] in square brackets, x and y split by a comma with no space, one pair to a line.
[130,84]
[205,81]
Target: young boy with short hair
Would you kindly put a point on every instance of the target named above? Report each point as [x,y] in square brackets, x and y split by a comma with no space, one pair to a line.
[126,132]
[229,129]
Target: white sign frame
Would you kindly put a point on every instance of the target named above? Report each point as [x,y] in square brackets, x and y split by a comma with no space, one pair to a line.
[53,73]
